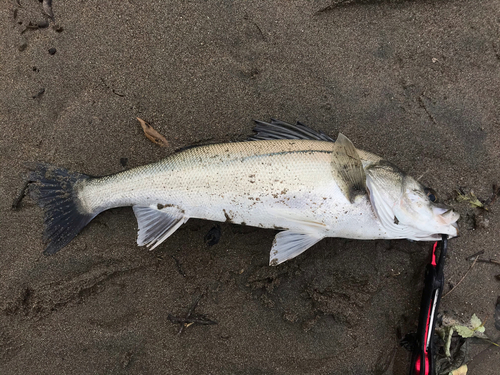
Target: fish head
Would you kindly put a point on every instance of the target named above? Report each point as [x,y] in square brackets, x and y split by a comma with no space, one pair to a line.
[405,208]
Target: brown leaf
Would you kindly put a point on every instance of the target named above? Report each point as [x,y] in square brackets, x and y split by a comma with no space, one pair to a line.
[152,134]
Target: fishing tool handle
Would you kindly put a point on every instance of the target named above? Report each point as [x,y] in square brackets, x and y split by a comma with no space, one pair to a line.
[423,355]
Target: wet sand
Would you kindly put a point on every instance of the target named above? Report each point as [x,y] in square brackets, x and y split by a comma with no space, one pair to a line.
[415,82]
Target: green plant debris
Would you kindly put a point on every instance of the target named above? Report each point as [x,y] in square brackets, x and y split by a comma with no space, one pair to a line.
[471,199]
[475,328]
[475,325]
[459,356]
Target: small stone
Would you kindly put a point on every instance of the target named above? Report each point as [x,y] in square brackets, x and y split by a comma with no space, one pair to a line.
[42,24]
[40,93]
[481,222]
[23,46]
[52,51]
[290,316]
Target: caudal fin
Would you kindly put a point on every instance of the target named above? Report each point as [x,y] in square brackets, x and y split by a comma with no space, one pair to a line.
[54,190]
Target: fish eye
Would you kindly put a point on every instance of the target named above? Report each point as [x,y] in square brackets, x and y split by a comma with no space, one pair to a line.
[431,194]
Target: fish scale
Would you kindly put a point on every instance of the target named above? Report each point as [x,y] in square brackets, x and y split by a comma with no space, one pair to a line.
[237,182]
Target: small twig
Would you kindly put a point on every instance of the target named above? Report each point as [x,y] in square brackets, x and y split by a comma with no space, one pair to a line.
[494,261]
[423,174]
[179,266]
[492,342]
[175,319]
[190,311]
[462,279]
[475,255]
[17,201]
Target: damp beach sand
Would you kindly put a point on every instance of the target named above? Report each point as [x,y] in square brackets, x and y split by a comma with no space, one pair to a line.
[415,82]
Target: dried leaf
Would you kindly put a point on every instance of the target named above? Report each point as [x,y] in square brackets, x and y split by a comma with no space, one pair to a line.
[458,357]
[47,8]
[152,134]
[460,371]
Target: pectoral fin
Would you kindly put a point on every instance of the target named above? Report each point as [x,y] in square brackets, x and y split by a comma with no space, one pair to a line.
[157,223]
[289,244]
[347,168]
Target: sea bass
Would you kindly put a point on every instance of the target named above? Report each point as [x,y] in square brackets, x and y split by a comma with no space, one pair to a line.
[287,177]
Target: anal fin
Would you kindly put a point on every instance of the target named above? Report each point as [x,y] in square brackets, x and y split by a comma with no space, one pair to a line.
[157,223]
[288,244]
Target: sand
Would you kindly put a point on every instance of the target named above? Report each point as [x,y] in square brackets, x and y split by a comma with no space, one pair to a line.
[415,82]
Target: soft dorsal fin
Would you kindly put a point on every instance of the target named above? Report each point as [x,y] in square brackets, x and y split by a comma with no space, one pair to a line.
[348,168]
[277,129]
[157,223]
[288,244]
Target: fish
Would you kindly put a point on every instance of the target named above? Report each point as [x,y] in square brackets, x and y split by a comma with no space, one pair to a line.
[286,177]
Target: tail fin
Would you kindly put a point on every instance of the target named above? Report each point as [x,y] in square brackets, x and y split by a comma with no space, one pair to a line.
[54,190]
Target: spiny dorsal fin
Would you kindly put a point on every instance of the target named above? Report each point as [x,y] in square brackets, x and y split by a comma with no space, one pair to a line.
[157,223]
[277,129]
[347,168]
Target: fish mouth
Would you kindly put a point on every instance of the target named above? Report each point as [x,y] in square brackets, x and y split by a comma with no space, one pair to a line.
[449,220]
[446,216]
[451,231]
[446,219]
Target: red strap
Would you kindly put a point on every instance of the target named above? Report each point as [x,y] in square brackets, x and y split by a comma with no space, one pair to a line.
[434,254]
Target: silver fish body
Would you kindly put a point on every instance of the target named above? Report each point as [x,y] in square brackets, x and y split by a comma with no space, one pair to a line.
[308,188]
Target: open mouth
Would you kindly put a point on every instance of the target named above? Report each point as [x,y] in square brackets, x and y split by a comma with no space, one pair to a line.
[449,220]
[446,216]
[446,219]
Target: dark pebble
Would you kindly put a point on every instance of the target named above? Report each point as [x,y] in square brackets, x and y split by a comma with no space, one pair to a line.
[52,51]
[58,28]
[23,46]
[40,93]
[42,24]
[123,162]
[213,236]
